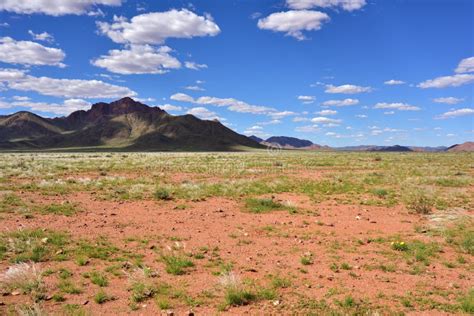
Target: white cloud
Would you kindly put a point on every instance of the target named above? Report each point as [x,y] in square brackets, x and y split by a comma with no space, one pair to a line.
[396,106]
[347,89]
[393,82]
[447,81]
[307,99]
[348,5]
[456,113]
[29,53]
[45,36]
[138,59]
[308,129]
[194,66]
[345,102]
[363,116]
[466,65]
[170,107]
[389,112]
[326,112]
[281,114]
[21,98]
[55,8]
[8,74]
[67,107]
[182,97]
[231,104]
[448,100]
[68,88]
[325,120]
[301,119]
[292,23]
[257,131]
[203,113]
[156,27]
[272,122]
[194,88]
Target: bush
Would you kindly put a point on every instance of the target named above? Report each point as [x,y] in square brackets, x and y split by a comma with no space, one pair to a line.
[162,194]
[177,265]
[263,205]
[420,204]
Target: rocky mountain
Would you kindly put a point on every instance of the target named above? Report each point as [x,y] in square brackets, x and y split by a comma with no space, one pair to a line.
[467,146]
[395,148]
[124,125]
[255,138]
[288,142]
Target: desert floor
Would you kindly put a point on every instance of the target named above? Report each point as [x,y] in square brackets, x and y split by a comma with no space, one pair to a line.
[292,233]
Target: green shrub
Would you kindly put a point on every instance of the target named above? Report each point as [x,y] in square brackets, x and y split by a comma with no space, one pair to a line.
[177,265]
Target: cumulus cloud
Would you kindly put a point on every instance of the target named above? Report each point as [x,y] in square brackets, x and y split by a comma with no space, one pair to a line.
[448,100]
[466,65]
[203,113]
[68,88]
[456,113]
[182,97]
[156,27]
[307,99]
[194,88]
[9,74]
[347,89]
[396,106]
[55,8]
[394,82]
[194,66]
[348,5]
[231,104]
[138,59]
[308,129]
[67,107]
[45,36]
[257,131]
[29,53]
[447,81]
[327,112]
[345,102]
[170,107]
[325,120]
[293,23]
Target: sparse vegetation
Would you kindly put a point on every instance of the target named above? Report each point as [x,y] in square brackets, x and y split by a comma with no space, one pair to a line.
[136,220]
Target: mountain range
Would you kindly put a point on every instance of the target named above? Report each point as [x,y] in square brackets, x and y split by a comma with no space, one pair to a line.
[132,126]
[124,124]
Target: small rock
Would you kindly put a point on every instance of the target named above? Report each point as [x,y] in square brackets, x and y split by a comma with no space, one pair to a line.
[276,303]
[15,293]
[85,302]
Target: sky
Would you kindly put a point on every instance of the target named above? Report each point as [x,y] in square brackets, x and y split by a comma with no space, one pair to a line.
[336,72]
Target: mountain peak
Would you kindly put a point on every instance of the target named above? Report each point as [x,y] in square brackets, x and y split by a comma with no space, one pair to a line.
[123,106]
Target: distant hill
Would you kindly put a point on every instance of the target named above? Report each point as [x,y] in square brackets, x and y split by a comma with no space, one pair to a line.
[395,148]
[291,143]
[124,124]
[255,138]
[467,146]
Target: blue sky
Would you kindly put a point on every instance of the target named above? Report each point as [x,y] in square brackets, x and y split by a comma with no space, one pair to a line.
[337,72]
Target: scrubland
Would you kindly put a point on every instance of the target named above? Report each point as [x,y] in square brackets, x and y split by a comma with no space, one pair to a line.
[293,233]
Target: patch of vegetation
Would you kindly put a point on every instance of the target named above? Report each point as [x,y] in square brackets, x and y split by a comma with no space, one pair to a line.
[66,209]
[262,205]
[176,265]
[35,245]
[420,203]
[162,193]
[101,297]
[97,278]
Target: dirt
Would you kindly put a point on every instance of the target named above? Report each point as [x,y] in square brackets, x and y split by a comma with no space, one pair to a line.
[331,232]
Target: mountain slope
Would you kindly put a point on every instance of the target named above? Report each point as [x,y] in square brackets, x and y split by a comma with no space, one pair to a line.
[467,146]
[124,124]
